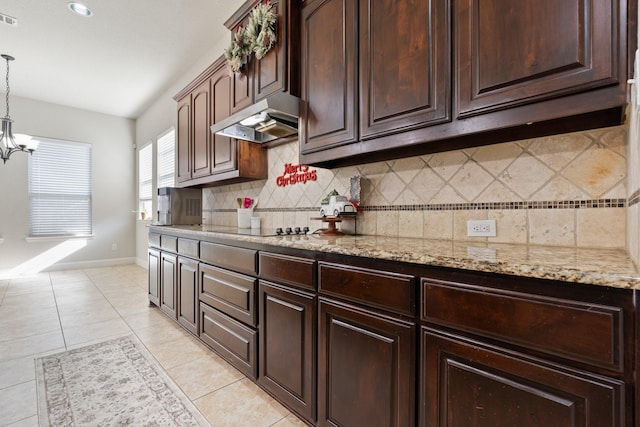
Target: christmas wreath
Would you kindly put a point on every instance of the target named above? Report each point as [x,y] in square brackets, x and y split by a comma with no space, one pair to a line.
[238,52]
[261,30]
[257,38]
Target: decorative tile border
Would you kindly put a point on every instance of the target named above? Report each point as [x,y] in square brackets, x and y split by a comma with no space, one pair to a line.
[634,199]
[561,204]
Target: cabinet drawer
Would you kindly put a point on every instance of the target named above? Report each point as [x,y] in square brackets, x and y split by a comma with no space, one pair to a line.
[287,269]
[154,240]
[391,291]
[169,243]
[230,257]
[575,330]
[235,342]
[189,247]
[231,293]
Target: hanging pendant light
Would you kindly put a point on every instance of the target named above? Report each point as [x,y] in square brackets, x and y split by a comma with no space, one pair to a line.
[8,144]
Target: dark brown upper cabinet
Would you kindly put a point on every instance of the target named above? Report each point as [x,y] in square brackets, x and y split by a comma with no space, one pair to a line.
[404,65]
[201,145]
[241,83]
[329,75]
[205,159]
[278,69]
[516,53]
[386,79]
[184,143]
[372,68]
[223,153]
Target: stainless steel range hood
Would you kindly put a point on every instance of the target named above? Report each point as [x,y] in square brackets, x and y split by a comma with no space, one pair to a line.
[268,119]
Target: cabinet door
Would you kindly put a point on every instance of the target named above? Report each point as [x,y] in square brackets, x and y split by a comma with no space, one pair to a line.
[241,90]
[404,65]
[287,350]
[512,53]
[329,74]
[465,384]
[184,139]
[223,148]
[366,368]
[154,276]
[270,71]
[187,307]
[200,112]
[168,263]
[242,83]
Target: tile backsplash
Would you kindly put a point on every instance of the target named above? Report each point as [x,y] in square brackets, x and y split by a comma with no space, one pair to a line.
[568,190]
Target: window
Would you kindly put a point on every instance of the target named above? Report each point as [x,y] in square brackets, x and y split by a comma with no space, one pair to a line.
[60,189]
[145,179]
[166,158]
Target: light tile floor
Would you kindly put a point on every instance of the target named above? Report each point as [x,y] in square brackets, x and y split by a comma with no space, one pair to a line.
[60,310]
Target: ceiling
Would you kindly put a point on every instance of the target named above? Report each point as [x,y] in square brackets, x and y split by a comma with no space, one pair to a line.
[117,61]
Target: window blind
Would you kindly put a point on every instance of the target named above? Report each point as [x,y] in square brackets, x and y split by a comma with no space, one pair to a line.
[145,174]
[60,189]
[166,158]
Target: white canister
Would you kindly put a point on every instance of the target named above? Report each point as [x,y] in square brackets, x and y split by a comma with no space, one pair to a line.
[244,217]
[255,222]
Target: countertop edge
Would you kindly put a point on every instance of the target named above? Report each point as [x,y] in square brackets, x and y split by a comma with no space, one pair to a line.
[348,245]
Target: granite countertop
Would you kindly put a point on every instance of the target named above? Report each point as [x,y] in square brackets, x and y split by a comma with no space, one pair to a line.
[604,267]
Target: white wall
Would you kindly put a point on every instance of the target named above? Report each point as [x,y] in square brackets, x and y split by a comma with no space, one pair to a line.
[114,195]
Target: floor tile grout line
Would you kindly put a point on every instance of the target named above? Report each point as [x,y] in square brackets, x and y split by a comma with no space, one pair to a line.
[19,421]
[221,388]
[280,420]
[55,300]
[17,384]
[24,337]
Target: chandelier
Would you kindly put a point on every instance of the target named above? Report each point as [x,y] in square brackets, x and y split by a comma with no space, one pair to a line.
[8,144]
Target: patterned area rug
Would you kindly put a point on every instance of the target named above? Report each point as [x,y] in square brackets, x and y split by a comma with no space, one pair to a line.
[113,383]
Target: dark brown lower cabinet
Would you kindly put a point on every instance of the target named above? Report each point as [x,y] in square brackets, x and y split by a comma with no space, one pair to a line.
[465,383]
[187,307]
[342,344]
[234,341]
[154,276]
[366,368]
[287,346]
[168,282]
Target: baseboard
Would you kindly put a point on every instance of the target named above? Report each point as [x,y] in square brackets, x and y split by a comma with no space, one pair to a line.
[91,264]
[144,263]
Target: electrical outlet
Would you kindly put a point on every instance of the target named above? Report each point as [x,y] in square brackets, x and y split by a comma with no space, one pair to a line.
[481,228]
[114,246]
[484,254]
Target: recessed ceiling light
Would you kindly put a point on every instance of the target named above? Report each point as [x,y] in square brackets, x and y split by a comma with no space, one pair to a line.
[79,9]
